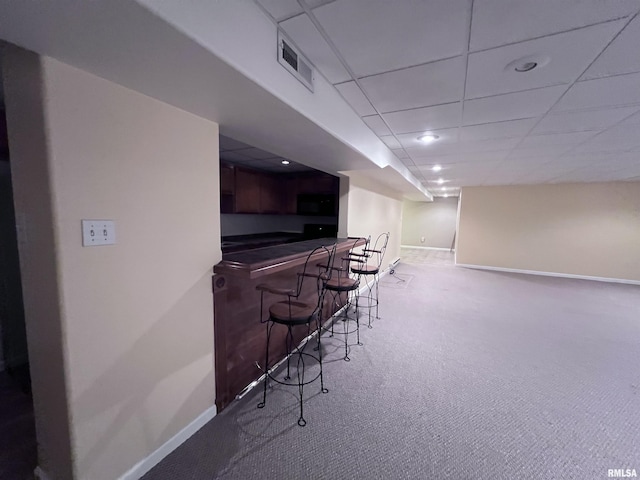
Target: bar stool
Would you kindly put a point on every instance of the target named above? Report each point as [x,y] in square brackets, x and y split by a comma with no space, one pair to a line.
[294,312]
[342,287]
[368,265]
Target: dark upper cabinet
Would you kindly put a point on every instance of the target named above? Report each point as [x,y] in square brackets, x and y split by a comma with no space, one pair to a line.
[227,180]
[271,194]
[243,190]
[317,183]
[290,195]
[247,193]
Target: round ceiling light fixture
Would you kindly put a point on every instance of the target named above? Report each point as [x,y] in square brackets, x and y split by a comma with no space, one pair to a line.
[440,181]
[436,168]
[285,162]
[527,64]
[428,138]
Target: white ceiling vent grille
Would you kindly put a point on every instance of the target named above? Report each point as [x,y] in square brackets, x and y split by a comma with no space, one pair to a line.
[291,59]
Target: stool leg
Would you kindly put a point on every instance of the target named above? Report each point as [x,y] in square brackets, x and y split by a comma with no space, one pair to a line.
[322,389]
[345,328]
[266,367]
[356,294]
[301,421]
[377,280]
[289,344]
[369,297]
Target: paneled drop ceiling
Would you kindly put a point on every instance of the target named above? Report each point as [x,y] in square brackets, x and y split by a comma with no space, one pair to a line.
[239,153]
[409,67]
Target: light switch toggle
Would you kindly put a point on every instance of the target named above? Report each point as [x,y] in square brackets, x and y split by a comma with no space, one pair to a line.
[98,232]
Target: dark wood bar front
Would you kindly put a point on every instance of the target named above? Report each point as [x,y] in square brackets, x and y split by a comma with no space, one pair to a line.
[240,337]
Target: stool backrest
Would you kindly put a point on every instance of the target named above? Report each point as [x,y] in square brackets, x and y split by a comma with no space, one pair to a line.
[322,273]
[380,247]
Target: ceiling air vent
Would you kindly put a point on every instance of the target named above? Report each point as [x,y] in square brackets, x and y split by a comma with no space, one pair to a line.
[291,59]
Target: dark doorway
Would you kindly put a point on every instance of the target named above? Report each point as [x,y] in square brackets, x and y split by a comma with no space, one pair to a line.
[18,448]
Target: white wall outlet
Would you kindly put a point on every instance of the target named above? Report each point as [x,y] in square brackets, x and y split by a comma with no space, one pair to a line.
[421,239]
[98,232]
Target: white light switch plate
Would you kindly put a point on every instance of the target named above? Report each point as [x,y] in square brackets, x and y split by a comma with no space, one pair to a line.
[98,232]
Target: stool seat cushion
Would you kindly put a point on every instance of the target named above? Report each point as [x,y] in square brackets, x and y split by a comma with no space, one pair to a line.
[292,313]
[366,270]
[342,284]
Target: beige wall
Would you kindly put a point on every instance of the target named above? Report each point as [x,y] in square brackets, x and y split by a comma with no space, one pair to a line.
[434,221]
[372,211]
[136,318]
[578,229]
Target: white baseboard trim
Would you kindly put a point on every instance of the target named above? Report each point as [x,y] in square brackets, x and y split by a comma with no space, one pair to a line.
[550,274]
[426,248]
[146,464]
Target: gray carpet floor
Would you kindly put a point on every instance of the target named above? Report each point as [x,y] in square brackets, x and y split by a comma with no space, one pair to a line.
[468,374]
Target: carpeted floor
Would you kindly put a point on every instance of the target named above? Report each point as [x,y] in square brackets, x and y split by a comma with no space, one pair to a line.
[468,375]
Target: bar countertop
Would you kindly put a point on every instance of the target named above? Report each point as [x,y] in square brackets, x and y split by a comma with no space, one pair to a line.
[263,261]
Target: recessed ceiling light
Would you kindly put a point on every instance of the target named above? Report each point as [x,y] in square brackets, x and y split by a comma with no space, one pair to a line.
[444,188]
[445,195]
[285,162]
[440,181]
[436,168]
[428,138]
[528,63]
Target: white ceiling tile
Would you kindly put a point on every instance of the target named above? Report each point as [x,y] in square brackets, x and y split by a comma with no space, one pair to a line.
[354,96]
[316,3]
[498,22]
[446,136]
[227,143]
[599,119]
[467,151]
[400,153]
[633,120]
[422,119]
[546,151]
[602,92]
[455,158]
[376,36]
[376,124]
[464,169]
[391,141]
[595,174]
[430,84]
[567,55]
[280,9]
[313,46]
[486,131]
[613,161]
[618,138]
[511,106]
[535,177]
[619,57]
[490,145]
[572,138]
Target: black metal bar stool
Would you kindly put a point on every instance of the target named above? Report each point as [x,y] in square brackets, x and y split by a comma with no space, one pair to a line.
[368,265]
[342,288]
[294,312]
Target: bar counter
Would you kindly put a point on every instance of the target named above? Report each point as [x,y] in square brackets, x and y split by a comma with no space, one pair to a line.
[239,336]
